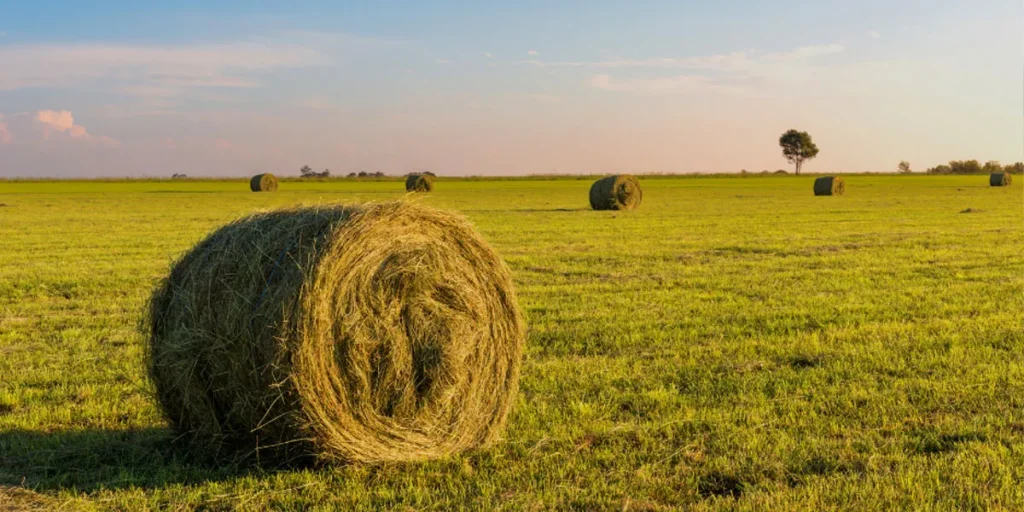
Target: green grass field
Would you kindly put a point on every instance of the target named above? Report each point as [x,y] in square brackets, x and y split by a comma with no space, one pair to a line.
[735,343]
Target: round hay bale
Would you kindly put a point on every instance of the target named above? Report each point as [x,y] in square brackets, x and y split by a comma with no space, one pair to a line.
[1000,179]
[617,192]
[829,186]
[263,183]
[419,183]
[386,332]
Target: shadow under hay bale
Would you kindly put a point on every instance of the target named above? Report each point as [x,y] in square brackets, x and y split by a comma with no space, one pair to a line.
[263,183]
[419,182]
[1000,179]
[829,186]
[375,333]
[617,192]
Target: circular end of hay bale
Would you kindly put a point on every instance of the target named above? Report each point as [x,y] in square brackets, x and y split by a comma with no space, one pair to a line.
[617,192]
[1000,179]
[419,182]
[829,186]
[263,183]
[375,333]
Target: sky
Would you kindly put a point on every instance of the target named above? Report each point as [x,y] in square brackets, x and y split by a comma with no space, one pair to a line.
[123,88]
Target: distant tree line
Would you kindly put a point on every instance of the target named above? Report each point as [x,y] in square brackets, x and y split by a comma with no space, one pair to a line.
[975,167]
[308,172]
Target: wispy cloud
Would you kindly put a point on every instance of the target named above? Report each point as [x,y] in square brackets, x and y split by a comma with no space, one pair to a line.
[223,144]
[533,53]
[489,55]
[204,65]
[874,34]
[442,61]
[733,73]
[665,85]
[719,62]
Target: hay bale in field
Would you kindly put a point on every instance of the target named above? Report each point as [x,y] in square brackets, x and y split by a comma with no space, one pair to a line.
[386,332]
[829,186]
[617,192]
[263,183]
[419,182]
[1000,179]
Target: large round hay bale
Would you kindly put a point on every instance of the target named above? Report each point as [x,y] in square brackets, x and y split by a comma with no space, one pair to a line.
[618,192]
[419,182]
[1000,179]
[263,183]
[829,186]
[386,332]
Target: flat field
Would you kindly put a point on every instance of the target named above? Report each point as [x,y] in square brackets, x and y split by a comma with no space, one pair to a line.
[736,343]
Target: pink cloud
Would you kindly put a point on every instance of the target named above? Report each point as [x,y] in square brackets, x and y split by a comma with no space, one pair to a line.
[169,143]
[53,121]
[5,133]
[221,143]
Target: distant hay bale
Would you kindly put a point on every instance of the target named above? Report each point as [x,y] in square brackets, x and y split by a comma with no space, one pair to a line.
[386,332]
[263,183]
[1000,179]
[829,186]
[419,182]
[617,192]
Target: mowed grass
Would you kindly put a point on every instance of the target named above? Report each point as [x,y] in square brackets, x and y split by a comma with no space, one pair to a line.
[735,343]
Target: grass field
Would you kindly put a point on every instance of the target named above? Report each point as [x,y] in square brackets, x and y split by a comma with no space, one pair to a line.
[735,343]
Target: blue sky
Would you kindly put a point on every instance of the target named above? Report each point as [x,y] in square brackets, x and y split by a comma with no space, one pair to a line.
[126,88]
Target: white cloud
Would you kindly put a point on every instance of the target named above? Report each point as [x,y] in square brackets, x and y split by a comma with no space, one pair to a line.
[533,53]
[442,61]
[62,121]
[666,85]
[875,34]
[733,73]
[208,65]
[719,62]
[489,55]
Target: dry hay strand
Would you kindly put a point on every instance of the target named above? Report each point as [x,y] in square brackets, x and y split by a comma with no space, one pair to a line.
[829,186]
[20,499]
[617,192]
[1000,179]
[373,333]
[419,182]
[263,183]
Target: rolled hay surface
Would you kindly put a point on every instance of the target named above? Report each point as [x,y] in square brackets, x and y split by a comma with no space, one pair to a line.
[419,183]
[376,333]
[618,192]
[263,183]
[1000,179]
[829,186]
